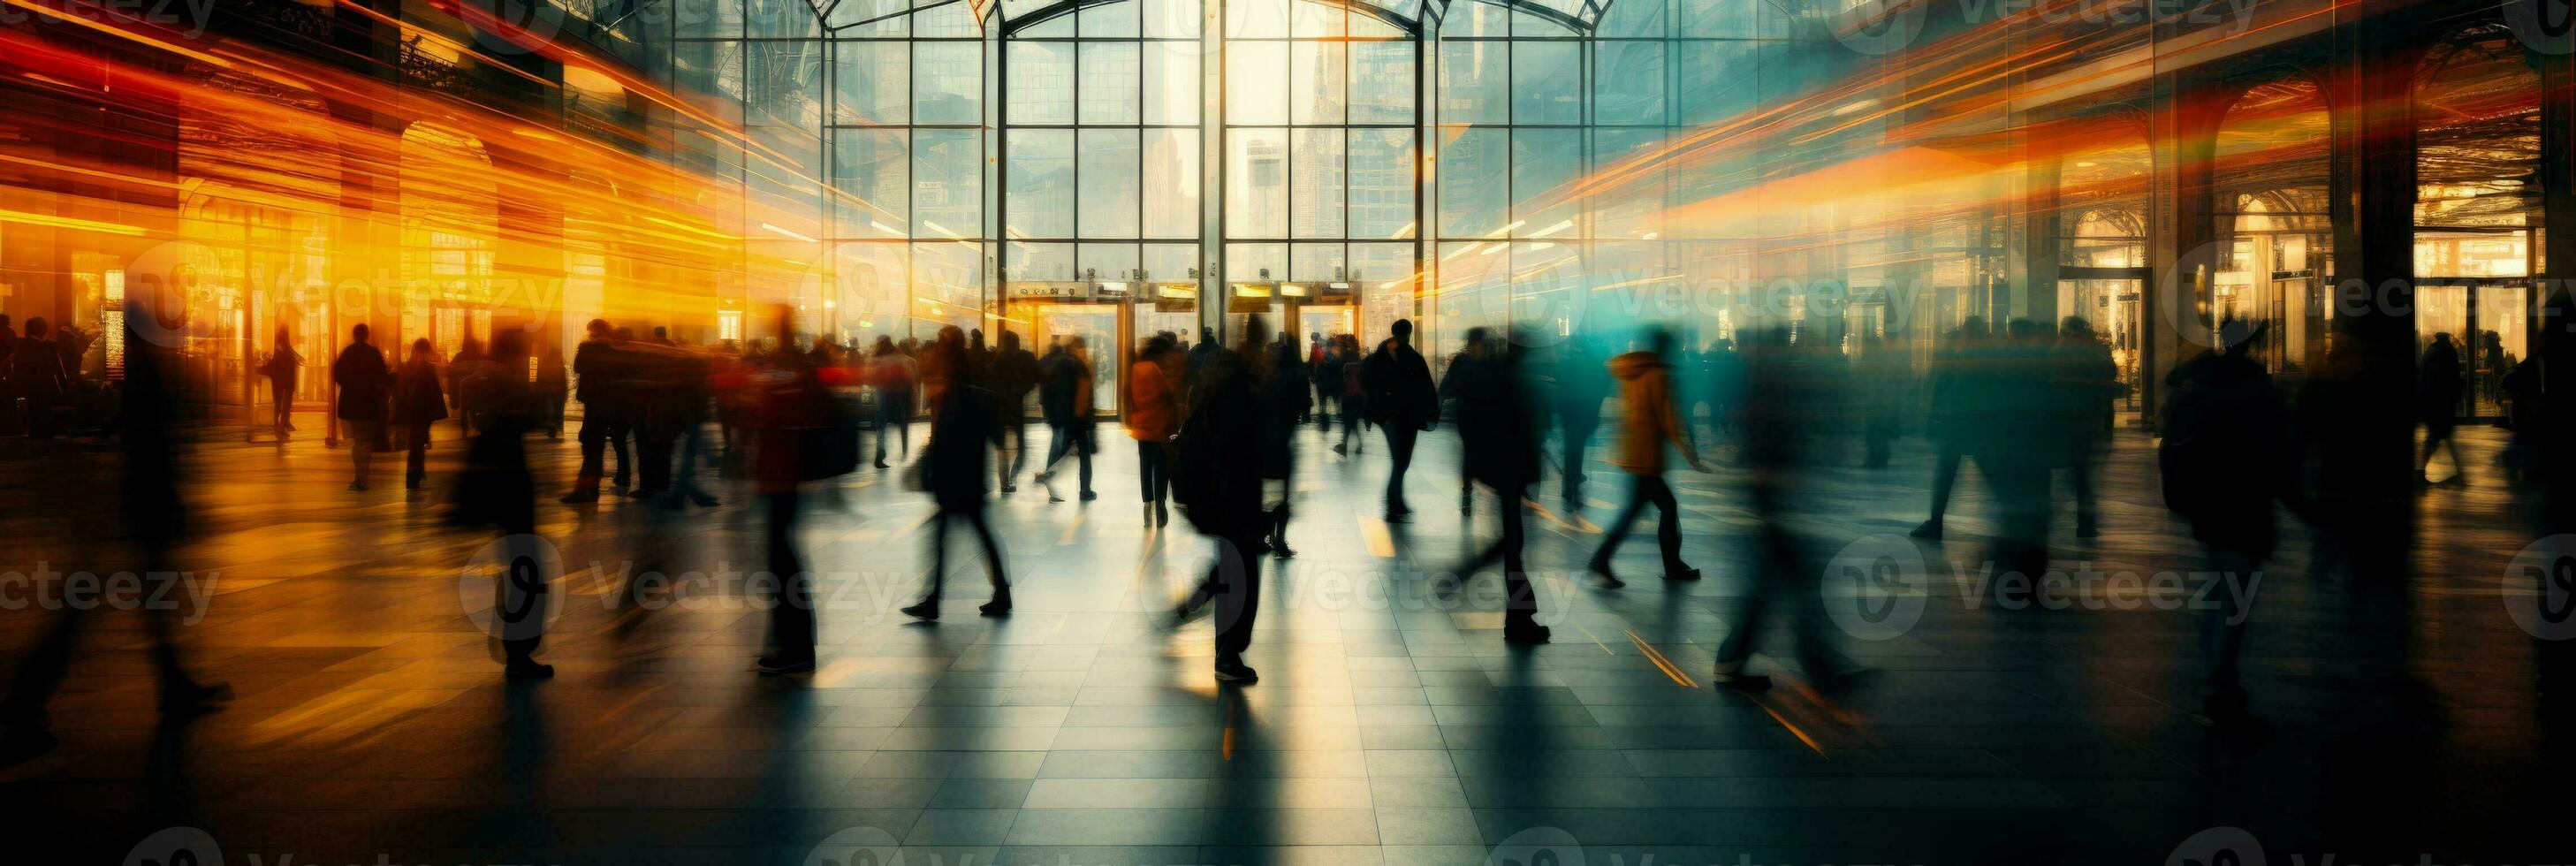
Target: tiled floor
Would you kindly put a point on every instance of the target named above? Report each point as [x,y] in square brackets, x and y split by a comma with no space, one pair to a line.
[1391,725]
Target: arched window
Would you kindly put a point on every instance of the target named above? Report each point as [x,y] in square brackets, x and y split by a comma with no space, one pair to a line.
[2477,205]
[2272,176]
[451,216]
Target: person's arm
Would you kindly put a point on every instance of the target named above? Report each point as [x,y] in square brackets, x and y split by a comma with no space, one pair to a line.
[1668,417]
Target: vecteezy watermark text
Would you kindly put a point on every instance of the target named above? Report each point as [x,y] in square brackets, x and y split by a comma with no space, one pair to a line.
[187,593]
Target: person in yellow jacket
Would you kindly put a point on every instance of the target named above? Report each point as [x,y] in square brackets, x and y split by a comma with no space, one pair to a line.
[1646,396]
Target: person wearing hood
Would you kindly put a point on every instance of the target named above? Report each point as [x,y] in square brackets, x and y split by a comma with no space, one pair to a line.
[1646,396]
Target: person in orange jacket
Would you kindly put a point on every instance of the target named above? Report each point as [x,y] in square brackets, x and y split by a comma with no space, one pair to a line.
[1646,395]
[1149,422]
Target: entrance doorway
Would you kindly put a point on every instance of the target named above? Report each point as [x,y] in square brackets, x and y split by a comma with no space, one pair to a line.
[2111,304]
[2489,323]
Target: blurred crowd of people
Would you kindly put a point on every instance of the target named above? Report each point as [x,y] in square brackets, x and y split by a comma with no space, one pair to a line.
[1217,431]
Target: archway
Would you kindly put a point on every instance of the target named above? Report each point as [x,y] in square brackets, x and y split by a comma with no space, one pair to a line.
[2477,205]
[2275,239]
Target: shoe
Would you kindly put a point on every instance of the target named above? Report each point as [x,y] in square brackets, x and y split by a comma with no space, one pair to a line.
[1279,549]
[1686,573]
[1162,515]
[412,484]
[999,606]
[578,497]
[357,486]
[193,698]
[881,464]
[1043,477]
[1052,497]
[1183,614]
[1089,495]
[1008,489]
[1524,632]
[1235,671]
[927,610]
[1602,575]
[771,666]
[1929,531]
[528,671]
[703,501]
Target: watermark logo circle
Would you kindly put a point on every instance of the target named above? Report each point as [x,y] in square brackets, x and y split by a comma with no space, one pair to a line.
[2544,26]
[510,587]
[1878,27]
[1536,846]
[856,846]
[159,286]
[176,846]
[2550,562]
[1875,588]
[2218,846]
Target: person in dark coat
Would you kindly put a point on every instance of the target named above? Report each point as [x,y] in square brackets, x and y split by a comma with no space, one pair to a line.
[1354,396]
[418,403]
[1402,401]
[1327,370]
[793,397]
[1499,425]
[553,388]
[1581,382]
[1065,399]
[364,382]
[2223,464]
[281,367]
[962,433]
[1783,425]
[2088,381]
[1285,398]
[497,489]
[2437,389]
[1014,374]
[1218,484]
[153,514]
[601,387]
[1462,364]
[1956,386]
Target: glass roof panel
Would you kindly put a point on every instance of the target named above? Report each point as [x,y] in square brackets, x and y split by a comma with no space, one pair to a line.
[843,13]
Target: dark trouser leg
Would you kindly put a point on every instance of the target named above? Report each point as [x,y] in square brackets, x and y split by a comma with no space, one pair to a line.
[1017,428]
[1571,474]
[1945,475]
[791,618]
[362,446]
[1234,582]
[594,439]
[1617,531]
[40,673]
[1668,526]
[1324,408]
[655,450]
[416,461]
[520,599]
[2223,625]
[938,555]
[1519,603]
[994,570]
[1059,440]
[885,425]
[1082,456]
[617,435]
[1399,444]
[1149,471]
[2082,481]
